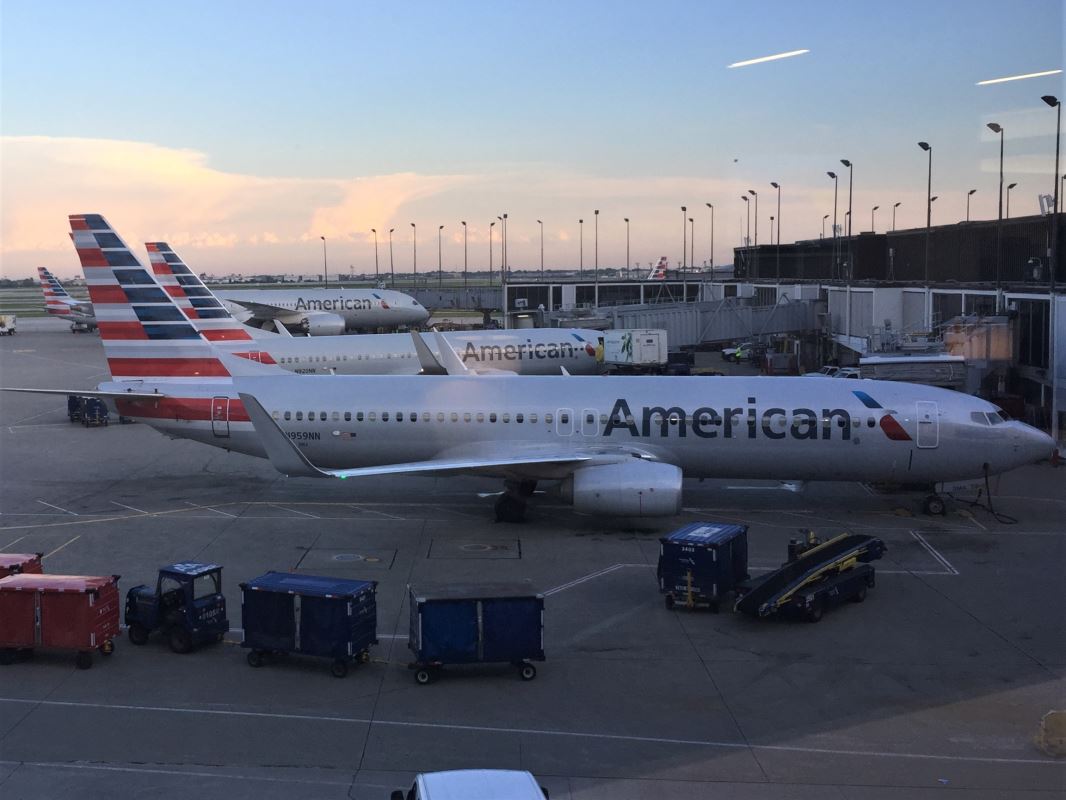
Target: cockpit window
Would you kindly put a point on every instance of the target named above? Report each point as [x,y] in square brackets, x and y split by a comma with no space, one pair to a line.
[997,418]
[979,417]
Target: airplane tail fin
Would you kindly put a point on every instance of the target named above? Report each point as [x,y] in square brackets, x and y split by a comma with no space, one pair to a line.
[146,336]
[658,272]
[56,300]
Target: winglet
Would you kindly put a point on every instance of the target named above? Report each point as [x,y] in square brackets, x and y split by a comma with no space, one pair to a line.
[281,329]
[564,370]
[429,362]
[282,451]
[451,362]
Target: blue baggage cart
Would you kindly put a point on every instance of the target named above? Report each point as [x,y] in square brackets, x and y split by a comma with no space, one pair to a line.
[316,616]
[475,624]
[702,562]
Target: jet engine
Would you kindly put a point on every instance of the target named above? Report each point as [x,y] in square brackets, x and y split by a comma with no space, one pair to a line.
[633,488]
[322,324]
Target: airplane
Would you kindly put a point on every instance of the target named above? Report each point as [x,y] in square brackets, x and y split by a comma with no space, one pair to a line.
[533,351]
[617,446]
[658,272]
[58,303]
[324,312]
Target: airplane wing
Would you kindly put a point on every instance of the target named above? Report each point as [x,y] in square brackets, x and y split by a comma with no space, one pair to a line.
[125,395]
[289,460]
[261,310]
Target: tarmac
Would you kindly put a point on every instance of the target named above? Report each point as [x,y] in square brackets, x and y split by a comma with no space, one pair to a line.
[936,683]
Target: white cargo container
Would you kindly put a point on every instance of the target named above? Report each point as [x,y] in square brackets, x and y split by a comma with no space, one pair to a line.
[641,349]
[7,324]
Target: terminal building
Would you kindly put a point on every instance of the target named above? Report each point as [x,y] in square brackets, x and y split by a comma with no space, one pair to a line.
[983,290]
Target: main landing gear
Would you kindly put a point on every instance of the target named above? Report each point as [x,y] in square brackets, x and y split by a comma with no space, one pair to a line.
[511,505]
[934,505]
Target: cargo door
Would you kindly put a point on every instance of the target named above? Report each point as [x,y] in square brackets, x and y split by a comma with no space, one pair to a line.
[269,620]
[928,424]
[564,422]
[648,347]
[324,627]
[220,417]
[448,631]
[511,629]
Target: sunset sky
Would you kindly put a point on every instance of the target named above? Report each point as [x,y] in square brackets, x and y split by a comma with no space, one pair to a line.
[241,132]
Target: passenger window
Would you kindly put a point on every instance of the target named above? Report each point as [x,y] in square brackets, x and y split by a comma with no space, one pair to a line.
[590,419]
[492,417]
[425,416]
[506,417]
[288,415]
[347,416]
[372,416]
[547,419]
[358,416]
[384,416]
[517,418]
[322,416]
[275,415]
[466,417]
[440,416]
[299,416]
[564,418]
[480,417]
[603,419]
[455,417]
[533,419]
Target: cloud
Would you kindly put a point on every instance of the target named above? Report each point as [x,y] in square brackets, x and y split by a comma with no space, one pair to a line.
[152,192]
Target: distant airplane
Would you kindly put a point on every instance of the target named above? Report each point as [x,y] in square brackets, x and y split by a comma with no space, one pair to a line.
[531,351]
[617,446]
[324,312]
[58,303]
[658,272]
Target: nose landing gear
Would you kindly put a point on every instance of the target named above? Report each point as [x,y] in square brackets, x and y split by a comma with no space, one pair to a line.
[934,505]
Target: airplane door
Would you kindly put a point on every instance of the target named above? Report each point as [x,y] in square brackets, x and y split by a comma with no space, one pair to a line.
[589,426]
[220,416]
[928,423]
[564,422]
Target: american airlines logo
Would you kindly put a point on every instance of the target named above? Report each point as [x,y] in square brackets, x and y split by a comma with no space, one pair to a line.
[744,421]
[335,304]
[523,351]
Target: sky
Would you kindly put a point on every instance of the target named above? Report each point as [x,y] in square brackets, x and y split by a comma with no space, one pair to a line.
[241,132]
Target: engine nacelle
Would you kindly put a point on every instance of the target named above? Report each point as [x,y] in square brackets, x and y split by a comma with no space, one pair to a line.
[633,488]
[323,324]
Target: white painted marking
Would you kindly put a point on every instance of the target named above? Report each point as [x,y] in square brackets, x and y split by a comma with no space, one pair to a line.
[62,546]
[372,511]
[34,416]
[210,508]
[131,508]
[589,577]
[180,773]
[294,511]
[12,544]
[530,732]
[935,553]
[57,508]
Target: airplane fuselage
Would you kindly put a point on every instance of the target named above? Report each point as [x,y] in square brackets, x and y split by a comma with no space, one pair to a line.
[758,428]
[359,308]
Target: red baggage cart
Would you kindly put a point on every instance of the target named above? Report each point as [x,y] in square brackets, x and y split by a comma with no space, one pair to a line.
[15,563]
[67,612]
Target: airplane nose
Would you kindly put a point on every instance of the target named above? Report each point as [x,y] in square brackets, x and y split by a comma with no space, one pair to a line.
[1034,445]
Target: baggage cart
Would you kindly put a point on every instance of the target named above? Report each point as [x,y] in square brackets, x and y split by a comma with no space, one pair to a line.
[64,612]
[311,615]
[701,563]
[186,605]
[475,624]
[17,563]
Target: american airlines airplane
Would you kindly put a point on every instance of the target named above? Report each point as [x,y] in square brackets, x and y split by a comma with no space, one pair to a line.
[58,303]
[617,446]
[535,351]
[325,312]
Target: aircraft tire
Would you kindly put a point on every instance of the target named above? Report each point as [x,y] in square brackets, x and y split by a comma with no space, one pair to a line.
[934,506]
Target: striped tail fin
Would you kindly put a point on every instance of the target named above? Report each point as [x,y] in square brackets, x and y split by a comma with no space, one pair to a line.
[145,335]
[56,300]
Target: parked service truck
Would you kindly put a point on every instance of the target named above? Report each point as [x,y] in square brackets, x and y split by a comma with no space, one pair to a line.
[7,324]
[637,350]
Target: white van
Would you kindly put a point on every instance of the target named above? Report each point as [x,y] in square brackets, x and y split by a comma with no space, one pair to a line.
[474,784]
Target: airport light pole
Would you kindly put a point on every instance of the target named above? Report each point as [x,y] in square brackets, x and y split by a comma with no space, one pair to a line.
[894,207]
[995,127]
[581,249]
[392,264]
[969,194]
[627,247]
[684,234]
[771,227]
[440,268]
[465,261]
[325,266]
[928,206]
[505,267]
[596,247]
[710,206]
[755,194]
[1009,187]
[541,223]
[691,257]
[747,230]
[414,253]
[824,218]
[836,266]
[873,228]
[375,232]
[777,254]
[1055,103]
[491,226]
[851,175]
